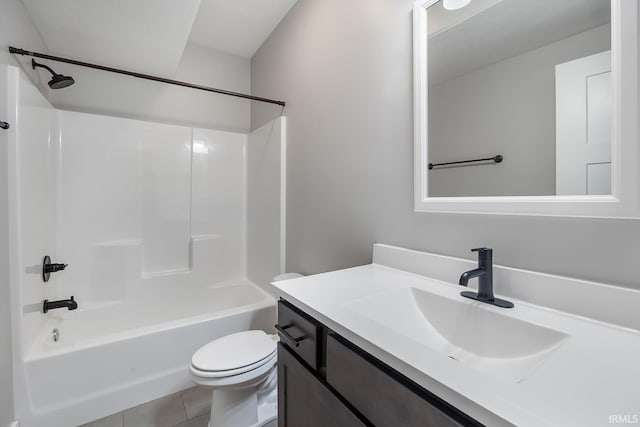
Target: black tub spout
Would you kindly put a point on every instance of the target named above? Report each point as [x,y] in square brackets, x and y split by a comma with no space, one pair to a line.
[70,304]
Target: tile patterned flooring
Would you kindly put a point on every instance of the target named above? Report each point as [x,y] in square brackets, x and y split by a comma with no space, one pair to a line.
[188,408]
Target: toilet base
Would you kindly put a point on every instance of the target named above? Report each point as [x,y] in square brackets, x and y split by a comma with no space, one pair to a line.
[246,406]
[267,416]
[267,412]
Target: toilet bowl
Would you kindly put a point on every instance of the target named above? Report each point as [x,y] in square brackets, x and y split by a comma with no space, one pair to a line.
[241,370]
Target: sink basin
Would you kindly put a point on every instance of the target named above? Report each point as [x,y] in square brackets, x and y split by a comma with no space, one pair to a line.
[472,333]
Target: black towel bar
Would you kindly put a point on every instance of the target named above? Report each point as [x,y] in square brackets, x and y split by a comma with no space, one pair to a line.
[498,158]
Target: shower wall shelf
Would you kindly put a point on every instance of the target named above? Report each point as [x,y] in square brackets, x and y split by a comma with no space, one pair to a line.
[497,159]
[19,51]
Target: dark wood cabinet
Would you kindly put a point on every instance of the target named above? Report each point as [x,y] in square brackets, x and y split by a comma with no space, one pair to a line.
[325,380]
[303,399]
[301,332]
[385,400]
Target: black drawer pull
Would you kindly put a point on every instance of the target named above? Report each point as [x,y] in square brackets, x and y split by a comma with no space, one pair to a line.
[287,336]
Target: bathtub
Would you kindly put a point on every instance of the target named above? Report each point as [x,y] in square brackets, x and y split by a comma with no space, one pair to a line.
[116,355]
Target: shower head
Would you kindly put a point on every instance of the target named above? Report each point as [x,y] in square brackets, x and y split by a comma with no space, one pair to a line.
[58,81]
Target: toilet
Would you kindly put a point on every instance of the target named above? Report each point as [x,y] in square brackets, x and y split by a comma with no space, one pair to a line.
[241,369]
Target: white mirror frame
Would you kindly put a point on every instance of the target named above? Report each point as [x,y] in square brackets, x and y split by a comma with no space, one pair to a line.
[625,199]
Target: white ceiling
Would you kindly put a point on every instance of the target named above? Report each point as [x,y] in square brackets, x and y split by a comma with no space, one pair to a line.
[149,36]
[143,35]
[237,26]
[506,29]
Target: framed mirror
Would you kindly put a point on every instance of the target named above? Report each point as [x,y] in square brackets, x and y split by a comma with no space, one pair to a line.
[526,107]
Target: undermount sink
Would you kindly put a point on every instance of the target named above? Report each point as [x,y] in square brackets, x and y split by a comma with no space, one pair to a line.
[472,333]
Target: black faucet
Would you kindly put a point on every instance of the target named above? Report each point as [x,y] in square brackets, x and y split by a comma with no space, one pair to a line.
[70,304]
[48,267]
[484,273]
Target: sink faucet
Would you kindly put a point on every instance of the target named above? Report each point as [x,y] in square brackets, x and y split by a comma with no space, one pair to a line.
[484,273]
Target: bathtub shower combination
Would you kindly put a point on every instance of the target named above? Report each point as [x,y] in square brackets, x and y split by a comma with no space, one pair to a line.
[167,232]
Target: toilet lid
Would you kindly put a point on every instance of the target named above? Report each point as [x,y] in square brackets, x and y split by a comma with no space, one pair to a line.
[234,351]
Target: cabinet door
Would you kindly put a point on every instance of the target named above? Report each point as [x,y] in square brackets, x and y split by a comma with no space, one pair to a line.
[381,395]
[303,401]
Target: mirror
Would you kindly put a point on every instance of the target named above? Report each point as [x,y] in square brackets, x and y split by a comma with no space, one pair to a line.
[516,102]
[519,79]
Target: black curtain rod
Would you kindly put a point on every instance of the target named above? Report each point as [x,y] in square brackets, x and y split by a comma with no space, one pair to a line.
[142,76]
[496,159]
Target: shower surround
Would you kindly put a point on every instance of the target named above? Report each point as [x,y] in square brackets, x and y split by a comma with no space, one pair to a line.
[153,222]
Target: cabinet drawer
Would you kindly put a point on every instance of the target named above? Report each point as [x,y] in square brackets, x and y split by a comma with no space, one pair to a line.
[304,401]
[299,332]
[383,396]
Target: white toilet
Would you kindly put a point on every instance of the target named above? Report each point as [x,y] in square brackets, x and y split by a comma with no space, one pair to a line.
[241,369]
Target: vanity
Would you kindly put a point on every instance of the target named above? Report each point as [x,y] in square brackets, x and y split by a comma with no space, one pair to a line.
[326,378]
[394,343]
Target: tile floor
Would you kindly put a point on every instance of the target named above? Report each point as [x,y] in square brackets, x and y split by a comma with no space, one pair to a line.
[188,408]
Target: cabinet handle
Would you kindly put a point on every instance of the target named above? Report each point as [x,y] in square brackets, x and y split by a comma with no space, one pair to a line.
[287,336]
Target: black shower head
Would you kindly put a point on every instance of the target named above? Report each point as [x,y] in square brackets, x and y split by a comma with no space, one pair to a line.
[58,81]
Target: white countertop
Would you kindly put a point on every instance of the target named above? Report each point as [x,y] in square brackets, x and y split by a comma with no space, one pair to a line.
[592,376]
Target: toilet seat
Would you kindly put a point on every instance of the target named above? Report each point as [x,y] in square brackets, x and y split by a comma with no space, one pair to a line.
[234,359]
[245,379]
[241,350]
[234,372]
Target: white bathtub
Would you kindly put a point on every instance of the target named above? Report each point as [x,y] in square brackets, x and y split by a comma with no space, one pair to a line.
[118,355]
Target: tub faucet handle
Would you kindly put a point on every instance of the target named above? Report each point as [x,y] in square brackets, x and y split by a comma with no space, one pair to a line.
[52,268]
[48,267]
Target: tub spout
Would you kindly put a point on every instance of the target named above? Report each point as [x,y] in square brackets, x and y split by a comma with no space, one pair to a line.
[70,304]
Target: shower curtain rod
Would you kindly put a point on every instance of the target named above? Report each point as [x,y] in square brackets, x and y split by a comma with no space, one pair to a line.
[18,51]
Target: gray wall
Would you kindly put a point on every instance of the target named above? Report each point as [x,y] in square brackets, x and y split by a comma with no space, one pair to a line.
[15,29]
[117,95]
[506,108]
[122,96]
[345,70]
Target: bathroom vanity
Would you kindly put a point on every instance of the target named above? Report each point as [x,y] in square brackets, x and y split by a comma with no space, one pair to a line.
[325,378]
[394,343]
